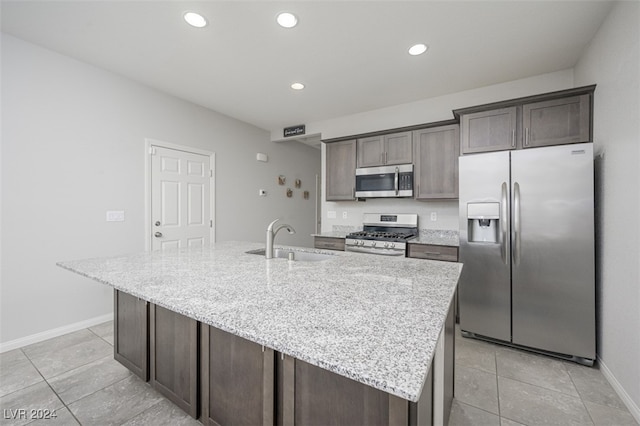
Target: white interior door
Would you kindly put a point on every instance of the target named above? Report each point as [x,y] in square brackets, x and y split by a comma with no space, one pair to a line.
[180,199]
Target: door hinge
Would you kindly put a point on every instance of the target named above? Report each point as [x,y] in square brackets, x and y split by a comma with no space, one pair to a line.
[210,173]
[210,223]
[152,150]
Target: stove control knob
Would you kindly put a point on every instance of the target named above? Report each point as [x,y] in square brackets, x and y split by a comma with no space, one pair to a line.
[392,245]
[386,245]
[373,244]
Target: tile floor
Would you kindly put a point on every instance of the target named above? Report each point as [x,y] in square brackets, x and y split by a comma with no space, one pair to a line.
[75,377]
[497,385]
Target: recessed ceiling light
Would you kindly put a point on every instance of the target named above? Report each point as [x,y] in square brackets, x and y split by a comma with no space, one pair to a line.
[195,19]
[287,20]
[297,86]
[418,49]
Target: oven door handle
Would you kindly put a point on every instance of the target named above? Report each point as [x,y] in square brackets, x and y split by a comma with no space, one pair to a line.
[396,181]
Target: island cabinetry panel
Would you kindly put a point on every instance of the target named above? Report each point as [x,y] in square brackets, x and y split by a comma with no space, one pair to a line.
[237,380]
[340,170]
[557,121]
[329,243]
[310,395]
[380,150]
[436,160]
[493,130]
[432,252]
[174,340]
[131,333]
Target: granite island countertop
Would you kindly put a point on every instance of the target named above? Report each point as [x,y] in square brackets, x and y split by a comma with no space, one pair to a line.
[439,237]
[374,319]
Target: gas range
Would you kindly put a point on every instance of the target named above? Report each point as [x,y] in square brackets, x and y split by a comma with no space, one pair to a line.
[385,234]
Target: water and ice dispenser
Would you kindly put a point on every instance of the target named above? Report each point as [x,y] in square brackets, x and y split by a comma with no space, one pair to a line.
[483,222]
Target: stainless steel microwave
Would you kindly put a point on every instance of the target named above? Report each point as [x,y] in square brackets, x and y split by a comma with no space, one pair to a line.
[385,181]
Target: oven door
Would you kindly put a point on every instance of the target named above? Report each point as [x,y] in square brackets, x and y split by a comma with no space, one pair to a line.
[386,181]
[376,247]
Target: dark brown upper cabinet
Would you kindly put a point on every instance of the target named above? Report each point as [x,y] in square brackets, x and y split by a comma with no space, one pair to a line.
[557,122]
[494,130]
[380,150]
[436,162]
[555,118]
[340,170]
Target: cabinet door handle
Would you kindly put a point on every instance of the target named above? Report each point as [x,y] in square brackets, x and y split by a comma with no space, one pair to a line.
[513,138]
[526,137]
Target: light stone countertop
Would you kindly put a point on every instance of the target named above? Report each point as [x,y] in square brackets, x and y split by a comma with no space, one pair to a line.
[439,237]
[374,319]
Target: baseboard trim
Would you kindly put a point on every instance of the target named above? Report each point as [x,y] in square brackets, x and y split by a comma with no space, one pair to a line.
[622,393]
[55,332]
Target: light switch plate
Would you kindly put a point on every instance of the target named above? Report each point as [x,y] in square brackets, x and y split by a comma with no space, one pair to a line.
[434,216]
[331,214]
[115,216]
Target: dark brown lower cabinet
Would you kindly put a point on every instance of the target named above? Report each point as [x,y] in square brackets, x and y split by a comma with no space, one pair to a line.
[237,380]
[310,395]
[233,381]
[131,333]
[174,340]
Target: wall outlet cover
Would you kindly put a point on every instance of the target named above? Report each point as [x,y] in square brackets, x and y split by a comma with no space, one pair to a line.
[434,216]
[115,216]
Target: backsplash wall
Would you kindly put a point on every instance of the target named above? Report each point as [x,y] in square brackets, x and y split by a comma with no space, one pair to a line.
[446,212]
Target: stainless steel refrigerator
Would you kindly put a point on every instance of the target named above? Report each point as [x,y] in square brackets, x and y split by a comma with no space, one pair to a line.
[527,245]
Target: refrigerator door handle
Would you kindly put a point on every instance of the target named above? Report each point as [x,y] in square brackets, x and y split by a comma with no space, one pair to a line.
[516,223]
[503,224]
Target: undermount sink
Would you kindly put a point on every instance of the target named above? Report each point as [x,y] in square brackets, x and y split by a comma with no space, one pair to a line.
[298,255]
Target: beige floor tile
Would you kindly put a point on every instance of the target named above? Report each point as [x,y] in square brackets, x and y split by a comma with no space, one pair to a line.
[82,381]
[603,415]
[476,388]
[116,403]
[164,413]
[25,405]
[534,405]
[466,415]
[16,372]
[475,354]
[593,386]
[535,369]
[55,356]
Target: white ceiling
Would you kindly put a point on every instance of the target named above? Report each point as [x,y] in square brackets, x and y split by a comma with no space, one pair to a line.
[352,56]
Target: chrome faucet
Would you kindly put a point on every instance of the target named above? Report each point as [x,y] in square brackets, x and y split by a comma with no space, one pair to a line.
[271,235]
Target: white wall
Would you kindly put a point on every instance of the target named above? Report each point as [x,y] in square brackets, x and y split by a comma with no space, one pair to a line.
[73,140]
[424,111]
[613,62]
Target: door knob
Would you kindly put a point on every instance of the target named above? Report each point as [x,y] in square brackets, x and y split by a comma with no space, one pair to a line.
[158,223]
[158,234]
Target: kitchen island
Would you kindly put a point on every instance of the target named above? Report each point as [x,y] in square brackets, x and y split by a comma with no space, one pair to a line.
[374,320]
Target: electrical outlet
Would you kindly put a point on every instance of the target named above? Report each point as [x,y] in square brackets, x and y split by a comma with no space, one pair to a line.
[344,215]
[115,216]
[434,216]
